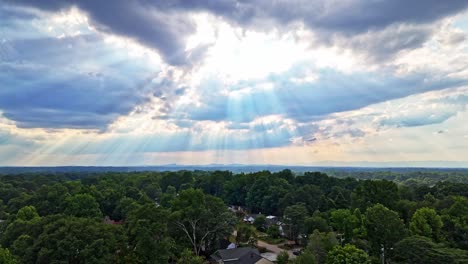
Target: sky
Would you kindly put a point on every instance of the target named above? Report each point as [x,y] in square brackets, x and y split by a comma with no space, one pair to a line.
[287,82]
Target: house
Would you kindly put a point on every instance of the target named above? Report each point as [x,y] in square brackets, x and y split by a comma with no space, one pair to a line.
[231,246]
[244,255]
[249,219]
[271,220]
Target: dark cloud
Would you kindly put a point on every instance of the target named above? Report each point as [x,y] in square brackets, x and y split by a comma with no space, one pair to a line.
[344,16]
[43,84]
[33,100]
[383,45]
[164,26]
[162,30]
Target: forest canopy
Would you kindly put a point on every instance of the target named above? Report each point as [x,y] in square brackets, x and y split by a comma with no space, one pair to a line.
[185,216]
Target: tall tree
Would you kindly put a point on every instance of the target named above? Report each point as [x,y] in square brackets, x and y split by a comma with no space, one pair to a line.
[316,221]
[345,222]
[147,234]
[320,243]
[294,217]
[384,227]
[372,192]
[201,218]
[77,240]
[455,220]
[426,222]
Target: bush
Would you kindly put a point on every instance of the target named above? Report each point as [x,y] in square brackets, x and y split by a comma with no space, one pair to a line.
[273,231]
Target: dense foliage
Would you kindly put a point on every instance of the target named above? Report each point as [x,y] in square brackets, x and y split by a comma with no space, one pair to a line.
[183,217]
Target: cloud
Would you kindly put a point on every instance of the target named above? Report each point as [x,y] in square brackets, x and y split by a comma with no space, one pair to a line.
[142,21]
[384,44]
[197,138]
[427,111]
[345,16]
[9,139]
[45,85]
[331,92]
[416,119]
[164,25]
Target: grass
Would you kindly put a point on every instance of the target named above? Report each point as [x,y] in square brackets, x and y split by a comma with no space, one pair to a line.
[274,241]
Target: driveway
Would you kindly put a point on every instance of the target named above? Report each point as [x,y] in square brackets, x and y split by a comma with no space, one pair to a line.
[274,248]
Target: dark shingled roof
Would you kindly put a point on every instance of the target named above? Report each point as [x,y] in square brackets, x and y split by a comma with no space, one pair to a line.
[237,255]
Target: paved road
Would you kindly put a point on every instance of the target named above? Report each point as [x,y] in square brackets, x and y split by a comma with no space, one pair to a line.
[274,248]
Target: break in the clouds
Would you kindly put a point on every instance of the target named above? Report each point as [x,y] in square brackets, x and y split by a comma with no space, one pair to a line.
[286,82]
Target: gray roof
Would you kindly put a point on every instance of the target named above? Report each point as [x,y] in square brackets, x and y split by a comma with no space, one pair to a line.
[237,255]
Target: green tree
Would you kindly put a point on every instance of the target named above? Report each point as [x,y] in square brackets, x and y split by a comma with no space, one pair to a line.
[418,249]
[305,258]
[283,258]
[77,240]
[6,257]
[340,196]
[23,247]
[168,196]
[82,205]
[406,209]
[273,231]
[345,222]
[369,193]
[294,217]
[320,243]
[177,179]
[384,227]
[309,195]
[49,199]
[265,193]
[426,222]
[237,188]
[260,222]
[27,222]
[201,218]
[316,221]
[244,233]
[27,213]
[349,254]
[455,220]
[147,234]
[188,257]
[124,208]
